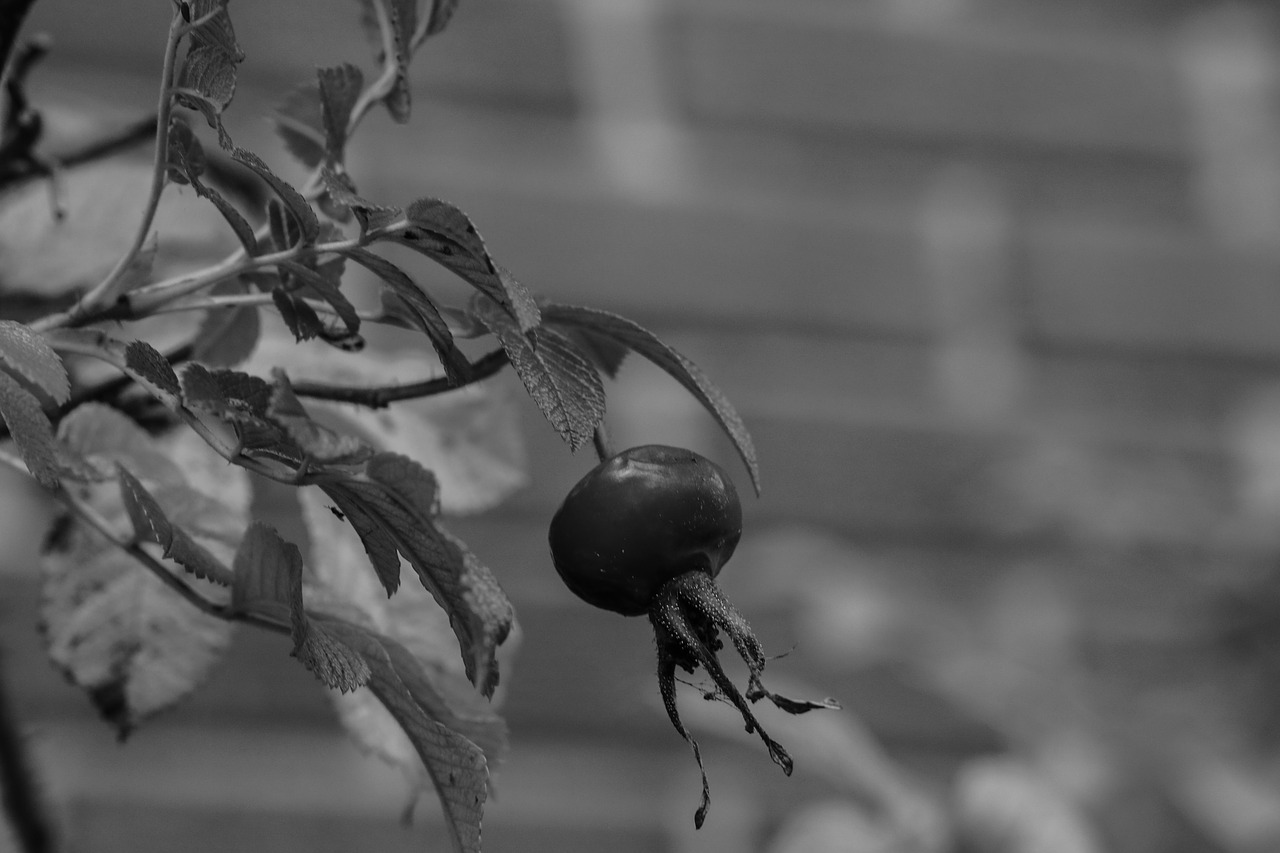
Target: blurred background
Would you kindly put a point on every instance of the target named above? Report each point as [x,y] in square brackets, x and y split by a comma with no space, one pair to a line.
[995,285]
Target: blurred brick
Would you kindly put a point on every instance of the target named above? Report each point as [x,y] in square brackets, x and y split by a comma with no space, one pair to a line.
[506,51]
[834,68]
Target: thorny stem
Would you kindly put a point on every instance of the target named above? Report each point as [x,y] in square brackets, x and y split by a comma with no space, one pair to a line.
[90,301]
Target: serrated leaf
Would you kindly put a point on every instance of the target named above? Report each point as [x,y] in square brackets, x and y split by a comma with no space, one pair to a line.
[217,31]
[371,217]
[293,200]
[559,378]
[456,766]
[151,524]
[31,431]
[227,336]
[112,626]
[340,88]
[119,633]
[318,442]
[27,354]
[445,234]
[210,71]
[470,438]
[327,289]
[393,510]
[300,123]
[411,618]
[268,582]
[186,165]
[153,370]
[642,341]
[228,394]
[420,308]
[300,317]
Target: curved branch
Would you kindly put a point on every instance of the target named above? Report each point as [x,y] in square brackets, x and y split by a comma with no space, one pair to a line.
[379,396]
[91,300]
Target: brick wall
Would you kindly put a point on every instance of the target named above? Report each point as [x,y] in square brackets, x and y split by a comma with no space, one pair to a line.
[923,247]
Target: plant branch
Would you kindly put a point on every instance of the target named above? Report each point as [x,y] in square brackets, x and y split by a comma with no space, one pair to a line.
[95,343]
[241,300]
[148,300]
[378,89]
[131,546]
[379,396]
[92,300]
[600,438]
[12,15]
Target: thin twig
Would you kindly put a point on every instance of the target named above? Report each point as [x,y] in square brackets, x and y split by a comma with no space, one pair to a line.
[379,396]
[12,15]
[600,438]
[130,545]
[159,164]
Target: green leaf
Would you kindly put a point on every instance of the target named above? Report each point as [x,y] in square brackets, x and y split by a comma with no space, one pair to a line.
[633,336]
[326,287]
[371,216]
[186,165]
[227,336]
[27,354]
[227,394]
[300,317]
[151,524]
[455,765]
[217,31]
[293,200]
[393,509]
[118,632]
[340,88]
[152,369]
[559,378]
[419,307]
[317,442]
[300,123]
[412,619]
[31,431]
[209,69]
[268,582]
[113,627]
[470,439]
[445,234]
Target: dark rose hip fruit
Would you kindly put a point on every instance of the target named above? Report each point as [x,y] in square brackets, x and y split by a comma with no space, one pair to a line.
[638,520]
[646,532]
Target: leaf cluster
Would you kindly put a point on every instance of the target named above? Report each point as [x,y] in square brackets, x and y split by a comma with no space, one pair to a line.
[122,625]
